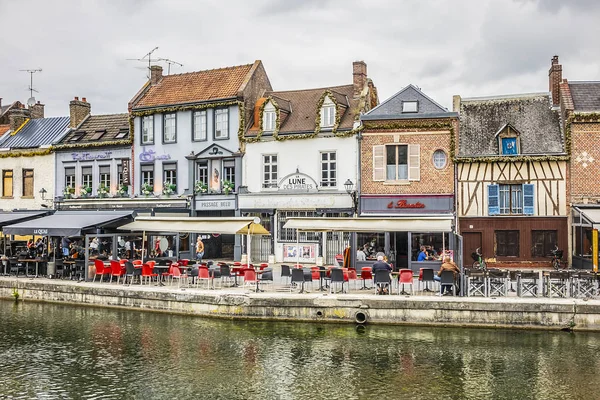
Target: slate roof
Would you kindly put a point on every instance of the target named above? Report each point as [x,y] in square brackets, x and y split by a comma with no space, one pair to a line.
[392,107]
[586,95]
[36,133]
[530,114]
[193,87]
[99,128]
[303,106]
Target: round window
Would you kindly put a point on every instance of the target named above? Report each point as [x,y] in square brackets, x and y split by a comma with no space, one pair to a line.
[439,159]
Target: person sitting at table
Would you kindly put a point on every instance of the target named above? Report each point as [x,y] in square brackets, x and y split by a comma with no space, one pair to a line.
[423,254]
[360,255]
[381,265]
[447,265]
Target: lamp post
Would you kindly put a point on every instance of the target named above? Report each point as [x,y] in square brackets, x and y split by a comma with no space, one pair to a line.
[349,185]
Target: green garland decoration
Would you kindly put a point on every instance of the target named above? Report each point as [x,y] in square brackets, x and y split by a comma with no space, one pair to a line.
[338,116]
[111,143]
[422,125]
[29,153]
[510,159]
[260,121]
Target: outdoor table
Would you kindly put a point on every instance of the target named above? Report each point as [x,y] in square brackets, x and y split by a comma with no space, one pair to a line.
[27,261]
[160,269]
[322,273]
[235,269]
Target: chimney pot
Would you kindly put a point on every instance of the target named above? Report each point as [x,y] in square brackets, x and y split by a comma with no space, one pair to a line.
[84,99]
[78,111]
[77,98]
[36,111]
[554,79]
[155,74]
[359,77]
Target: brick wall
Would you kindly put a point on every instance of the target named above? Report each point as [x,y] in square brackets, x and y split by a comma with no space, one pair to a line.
[585,162]
[433,181]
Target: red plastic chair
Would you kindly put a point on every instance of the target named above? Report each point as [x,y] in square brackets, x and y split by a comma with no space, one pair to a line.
[183,262]
[316,273]
[100,270]
[137,263]
[405,278]
[263,266]
[176,274]
[116,269]
[250,277]
[366,273]
[122,262]
[148,272]
[204,276]
[352,277]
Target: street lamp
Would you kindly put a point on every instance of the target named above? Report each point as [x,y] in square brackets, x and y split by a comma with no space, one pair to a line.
[353,194]
[43,193]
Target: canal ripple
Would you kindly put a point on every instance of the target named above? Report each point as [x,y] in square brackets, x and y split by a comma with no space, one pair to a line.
[65,352]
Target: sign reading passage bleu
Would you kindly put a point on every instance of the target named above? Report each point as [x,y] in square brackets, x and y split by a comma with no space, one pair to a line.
[297,182]
[215,204]
[126,168]
[150,155]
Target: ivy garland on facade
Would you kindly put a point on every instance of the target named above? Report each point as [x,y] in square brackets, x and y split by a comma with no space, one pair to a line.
[422,125]
[510,159]
[28,153]
[111,143]
[260,120]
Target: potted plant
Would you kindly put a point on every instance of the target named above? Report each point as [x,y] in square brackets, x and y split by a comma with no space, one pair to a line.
[68,192]
[102,190]
[123,191]
[200,187]
[169,188]
[147,189]
[228,187]
[85,191]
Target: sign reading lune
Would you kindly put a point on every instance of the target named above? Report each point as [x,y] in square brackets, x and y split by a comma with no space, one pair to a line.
[297,182]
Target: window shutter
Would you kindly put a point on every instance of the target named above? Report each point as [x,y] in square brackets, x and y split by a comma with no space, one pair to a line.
[528,199]
[379,163]
[414,162]
[493,200]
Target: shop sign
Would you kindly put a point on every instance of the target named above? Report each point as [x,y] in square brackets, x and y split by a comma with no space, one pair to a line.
[215,204]
[297,182]
[415,204]
[151,155]
[405,204]
[126,168]
[41,232]
[87,156]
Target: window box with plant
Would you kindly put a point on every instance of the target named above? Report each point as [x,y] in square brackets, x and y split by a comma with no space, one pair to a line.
[228,187]
[169,188]
[200,187]
[85,191]
[123,191]
[147,189]
[103,190]
[68,192]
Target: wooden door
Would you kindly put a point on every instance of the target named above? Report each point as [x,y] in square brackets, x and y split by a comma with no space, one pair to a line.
[471,241]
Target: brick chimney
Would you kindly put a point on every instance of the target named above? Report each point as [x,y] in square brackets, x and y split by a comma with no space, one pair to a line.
[155,74]
[16,117]
[79,110]
[37,110]
[555,78]
[359,75]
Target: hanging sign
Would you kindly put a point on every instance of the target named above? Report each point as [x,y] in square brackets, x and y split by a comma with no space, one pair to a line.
[126,167]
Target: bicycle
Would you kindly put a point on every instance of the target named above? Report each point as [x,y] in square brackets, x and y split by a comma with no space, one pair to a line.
[557,262]
[479,264]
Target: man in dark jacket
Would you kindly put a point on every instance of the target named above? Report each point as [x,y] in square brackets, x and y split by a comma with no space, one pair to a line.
[381,265]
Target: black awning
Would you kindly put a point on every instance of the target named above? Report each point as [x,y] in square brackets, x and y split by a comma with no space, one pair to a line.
[68,223]
[14,217]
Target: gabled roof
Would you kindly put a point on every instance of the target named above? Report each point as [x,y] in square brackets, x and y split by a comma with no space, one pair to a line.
[303,106]
[530,114]
[98,129]
[7,107]
[196,87]
[585,95]
[36,133]
[392,107]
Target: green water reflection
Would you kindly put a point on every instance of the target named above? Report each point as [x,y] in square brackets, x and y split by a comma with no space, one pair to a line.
[53,351]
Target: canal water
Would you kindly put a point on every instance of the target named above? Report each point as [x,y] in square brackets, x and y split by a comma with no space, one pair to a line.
[66,352]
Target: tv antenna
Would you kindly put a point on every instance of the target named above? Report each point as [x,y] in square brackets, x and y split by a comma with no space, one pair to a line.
[169,62]
[147,57]
[31,100]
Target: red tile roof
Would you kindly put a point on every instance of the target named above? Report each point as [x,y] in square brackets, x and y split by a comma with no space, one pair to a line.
[4,129]
[192,87]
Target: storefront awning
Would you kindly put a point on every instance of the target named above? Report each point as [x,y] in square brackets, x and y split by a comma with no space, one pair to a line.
[414,224]
[68,223]
[592,215]
[9,218]
[226,226]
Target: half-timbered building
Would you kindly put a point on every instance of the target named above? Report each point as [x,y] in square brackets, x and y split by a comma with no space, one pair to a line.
[511,178]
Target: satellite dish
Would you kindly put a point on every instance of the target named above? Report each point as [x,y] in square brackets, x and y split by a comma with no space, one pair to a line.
[31,101]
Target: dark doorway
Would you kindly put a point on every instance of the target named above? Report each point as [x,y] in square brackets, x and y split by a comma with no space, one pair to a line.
[471,241]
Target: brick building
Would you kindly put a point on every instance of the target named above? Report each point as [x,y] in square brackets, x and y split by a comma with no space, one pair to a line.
[406,170]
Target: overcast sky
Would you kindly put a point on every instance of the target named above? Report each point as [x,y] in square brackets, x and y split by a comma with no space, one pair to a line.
[471,48]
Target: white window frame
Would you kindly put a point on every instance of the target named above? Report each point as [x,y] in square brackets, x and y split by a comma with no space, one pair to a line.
[435,160]
[70,178]
[103,176]
[170,173]
[328,168]
[87,179]
[221,123]
[328,113]
[170,128]
[202,169]
[410,106]
[229,171]
[147,175]
[380,163]
[269,117]
[147,125]
[269,182]
[199,122]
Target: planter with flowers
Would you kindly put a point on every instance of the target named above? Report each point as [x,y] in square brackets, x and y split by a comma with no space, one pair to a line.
[123,191]
[200,187]
[68,192]
[228,187]
[169,188]
[102,191]
[85,191]
[147,189]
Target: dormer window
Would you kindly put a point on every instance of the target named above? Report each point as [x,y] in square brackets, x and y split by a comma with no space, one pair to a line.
[508,141]
[410,106]
[269,117]
[327,113]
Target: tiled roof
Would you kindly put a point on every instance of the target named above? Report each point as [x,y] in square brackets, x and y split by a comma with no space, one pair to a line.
[392,107]
[192,87]
[585,95]
[303,105]
[4,129]
[100,128]
[36,133]
[530,114]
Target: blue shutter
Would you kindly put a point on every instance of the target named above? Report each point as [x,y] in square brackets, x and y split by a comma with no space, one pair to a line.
[493,200]
[528,199]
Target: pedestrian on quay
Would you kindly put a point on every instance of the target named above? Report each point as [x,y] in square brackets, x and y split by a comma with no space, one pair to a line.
[199,249]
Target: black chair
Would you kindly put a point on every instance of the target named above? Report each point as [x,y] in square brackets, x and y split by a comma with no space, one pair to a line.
[266,277]
[428,274]
[308,276]
[79,269]
[382,282]
[337,276]
[226,274]
[16,266]
[297,278]
[131,272]
[59,268]
[447,279]
[285,272]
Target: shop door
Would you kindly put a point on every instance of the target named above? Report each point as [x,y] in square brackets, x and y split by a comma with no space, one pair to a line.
[261,248]
[471,241]
[335,244]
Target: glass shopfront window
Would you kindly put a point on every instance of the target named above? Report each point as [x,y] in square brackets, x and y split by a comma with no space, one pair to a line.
[435,244]
[371,244]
